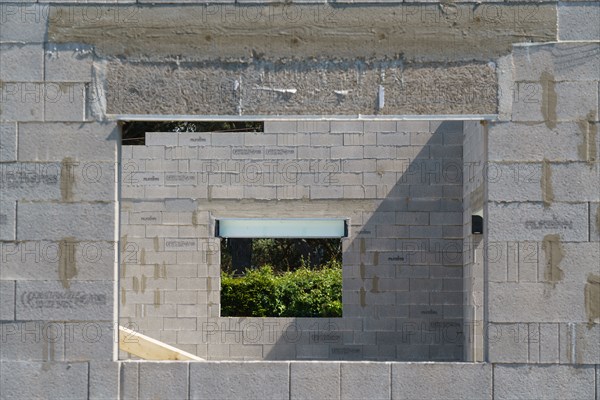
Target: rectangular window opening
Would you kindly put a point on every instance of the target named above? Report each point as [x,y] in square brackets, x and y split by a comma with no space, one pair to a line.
[281,267]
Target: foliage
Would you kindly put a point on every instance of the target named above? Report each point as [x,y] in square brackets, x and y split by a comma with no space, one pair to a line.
[285,254]
[304,292]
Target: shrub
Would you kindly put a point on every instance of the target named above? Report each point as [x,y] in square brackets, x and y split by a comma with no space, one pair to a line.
[304,292]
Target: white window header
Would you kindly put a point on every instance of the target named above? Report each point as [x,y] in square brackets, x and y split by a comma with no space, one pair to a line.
[318,228]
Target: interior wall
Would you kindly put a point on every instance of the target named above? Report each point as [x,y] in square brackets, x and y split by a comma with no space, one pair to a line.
[398,182]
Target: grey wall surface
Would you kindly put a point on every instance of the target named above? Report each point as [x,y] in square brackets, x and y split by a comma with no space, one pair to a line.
[398,182]
[58,160]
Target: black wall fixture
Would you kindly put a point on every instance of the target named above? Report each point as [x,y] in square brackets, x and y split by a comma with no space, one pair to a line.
[476,225]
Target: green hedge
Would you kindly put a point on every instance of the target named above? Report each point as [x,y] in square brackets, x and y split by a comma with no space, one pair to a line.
[301,293]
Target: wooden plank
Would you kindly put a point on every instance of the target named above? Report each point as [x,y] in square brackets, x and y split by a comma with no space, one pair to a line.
[148,348]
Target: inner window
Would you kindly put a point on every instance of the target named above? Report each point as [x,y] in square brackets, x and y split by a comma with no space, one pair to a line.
[267,272]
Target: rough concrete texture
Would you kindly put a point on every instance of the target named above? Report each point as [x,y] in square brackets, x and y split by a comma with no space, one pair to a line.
[250,380]
[366,380]
[579,21]
[291,86]
[7,300]
[151,386]
[544,382]
[28,380]
[413,381]
[8,142]
[50,301]
[529,221]
[315,380]
[209,32]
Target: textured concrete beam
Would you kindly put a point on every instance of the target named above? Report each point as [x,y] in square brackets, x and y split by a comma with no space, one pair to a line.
[291,86]
[418,32]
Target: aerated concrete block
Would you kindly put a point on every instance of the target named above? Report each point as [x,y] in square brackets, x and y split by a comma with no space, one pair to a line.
[24,23]
[50,301]
[239,380]
[104,380]
[22,101]
[8,142]
[33,341]
[82,142]
[537,302]
[441,380]
[544,382]
[579,21]
[68,63]
[21,63]
[164,380]
[365,380]
[311,380]
[57,221]
[7,300]
[526,142]
[533,221]
[7,218]
[87,341]
[57,380]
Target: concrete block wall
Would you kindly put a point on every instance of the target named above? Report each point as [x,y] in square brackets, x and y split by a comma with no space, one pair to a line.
[398,182]
[55,321]
[57,219]
[543,181]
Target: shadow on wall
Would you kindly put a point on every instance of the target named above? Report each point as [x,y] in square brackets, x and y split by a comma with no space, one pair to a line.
[403,266]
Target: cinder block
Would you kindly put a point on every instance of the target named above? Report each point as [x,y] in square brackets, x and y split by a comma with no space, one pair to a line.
[523,142]
[574,182]
[549,343]
[33,341]
[22,101]
[29,380]
[7,300]
[8,142]
[576,101]
[129,380]
[347,126]
[514,181]
[326,139]
[87,341]
[547,382]
[414,126]
[533,221]
[25,23]
[57,221]
[393,139]
[259,139]
[280,127]
[162,139]
[68,63]
[441,380]
[21,63]
[545,303]
[7,218]
[104,380]
[578,21]
[239,380]
[164,380]
[365,381]
[84,142]
[508,343]
[579,343]
[50,301]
